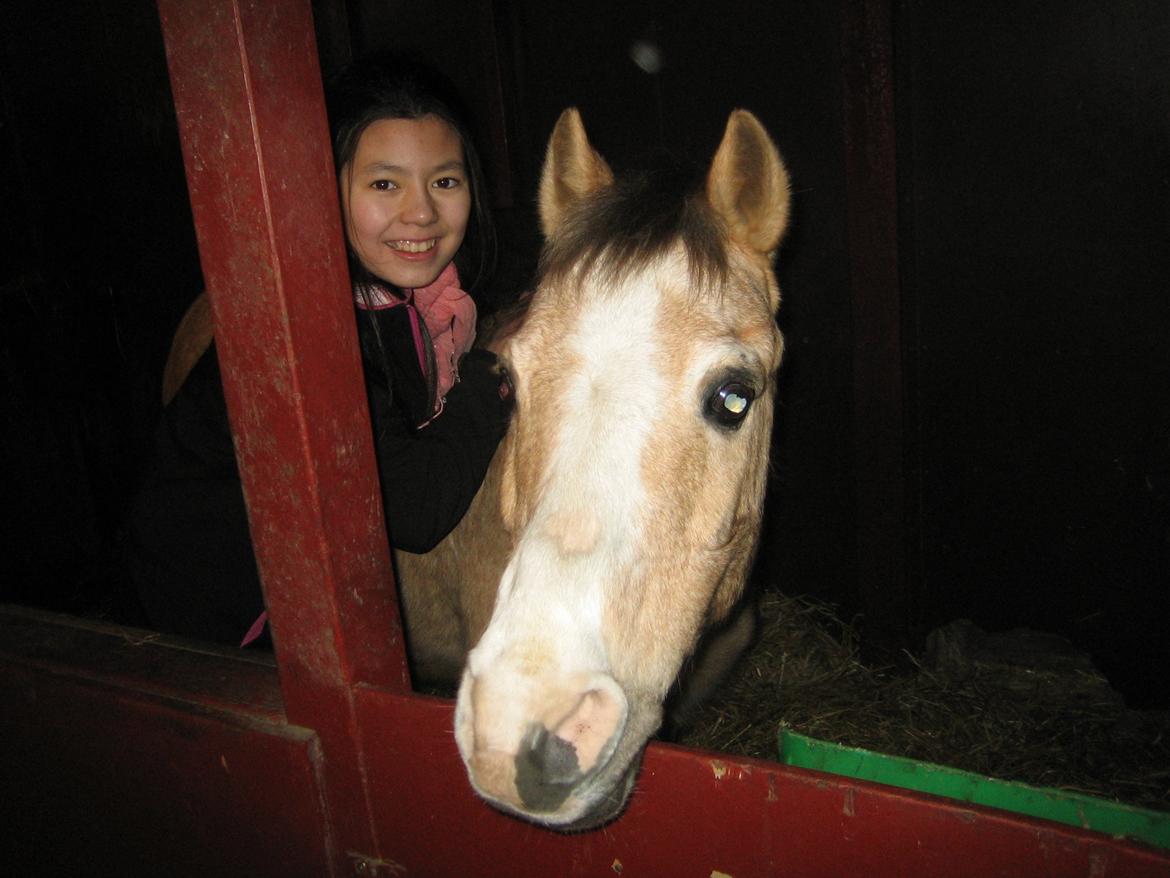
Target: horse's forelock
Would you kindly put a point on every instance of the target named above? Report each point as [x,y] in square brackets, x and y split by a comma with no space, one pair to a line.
[633,224]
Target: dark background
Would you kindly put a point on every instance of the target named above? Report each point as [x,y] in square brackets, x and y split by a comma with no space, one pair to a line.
[974,414]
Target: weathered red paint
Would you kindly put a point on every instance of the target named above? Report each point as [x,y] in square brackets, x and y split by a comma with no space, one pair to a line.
[143,661]
[107,763]
[248,97]
[124,755]
[699,814]
[251,115]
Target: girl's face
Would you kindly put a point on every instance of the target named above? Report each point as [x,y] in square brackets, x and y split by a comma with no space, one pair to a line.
[406,198]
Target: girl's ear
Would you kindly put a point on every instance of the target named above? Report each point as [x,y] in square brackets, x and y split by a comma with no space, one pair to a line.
[572,170]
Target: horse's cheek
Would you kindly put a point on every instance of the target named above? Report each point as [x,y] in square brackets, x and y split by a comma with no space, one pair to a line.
[508,486]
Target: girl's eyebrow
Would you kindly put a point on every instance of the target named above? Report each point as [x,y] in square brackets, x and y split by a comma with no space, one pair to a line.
[390,168]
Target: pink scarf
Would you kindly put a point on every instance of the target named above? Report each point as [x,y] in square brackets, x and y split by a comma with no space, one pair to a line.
[449,315]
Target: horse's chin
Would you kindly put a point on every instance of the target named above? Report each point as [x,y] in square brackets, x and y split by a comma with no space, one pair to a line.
[600,813]
[609,807]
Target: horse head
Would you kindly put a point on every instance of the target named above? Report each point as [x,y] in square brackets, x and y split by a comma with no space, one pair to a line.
[632,479]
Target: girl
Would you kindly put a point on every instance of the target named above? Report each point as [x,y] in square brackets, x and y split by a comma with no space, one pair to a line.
[413,206]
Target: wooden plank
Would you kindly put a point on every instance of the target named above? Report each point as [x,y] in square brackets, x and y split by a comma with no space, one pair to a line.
[702,814]
[255,143]
[202,674]
[112,765]
[105,774]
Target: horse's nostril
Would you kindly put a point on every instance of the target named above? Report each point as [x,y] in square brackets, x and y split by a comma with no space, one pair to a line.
[546,769]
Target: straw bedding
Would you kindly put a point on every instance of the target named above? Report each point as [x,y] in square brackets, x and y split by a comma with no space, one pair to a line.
[1021,706]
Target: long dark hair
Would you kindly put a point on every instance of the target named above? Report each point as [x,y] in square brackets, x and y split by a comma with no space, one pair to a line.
[384,86]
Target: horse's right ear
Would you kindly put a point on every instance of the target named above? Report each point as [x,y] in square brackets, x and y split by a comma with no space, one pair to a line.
[748,184]
[572,171]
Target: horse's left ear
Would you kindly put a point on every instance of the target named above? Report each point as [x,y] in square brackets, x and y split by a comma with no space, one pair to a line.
[748,185]
[572,170]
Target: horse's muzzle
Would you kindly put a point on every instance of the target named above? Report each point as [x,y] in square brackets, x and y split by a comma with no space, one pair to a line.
[542,748]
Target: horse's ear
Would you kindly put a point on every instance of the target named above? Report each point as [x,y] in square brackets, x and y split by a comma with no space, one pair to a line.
[572,170]
[748,184]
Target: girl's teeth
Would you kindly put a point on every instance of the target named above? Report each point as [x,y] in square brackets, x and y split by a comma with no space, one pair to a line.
[413,246]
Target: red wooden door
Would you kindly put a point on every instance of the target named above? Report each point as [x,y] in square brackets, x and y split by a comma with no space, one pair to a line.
[125,753]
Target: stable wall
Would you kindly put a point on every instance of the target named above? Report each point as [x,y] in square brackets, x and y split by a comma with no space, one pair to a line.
[1032,218]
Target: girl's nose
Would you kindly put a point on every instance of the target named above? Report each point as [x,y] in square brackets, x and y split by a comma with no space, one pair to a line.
[418,206]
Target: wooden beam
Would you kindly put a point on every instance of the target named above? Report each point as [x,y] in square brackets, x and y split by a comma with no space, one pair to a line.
[250,106]
[123,752]
[695,814]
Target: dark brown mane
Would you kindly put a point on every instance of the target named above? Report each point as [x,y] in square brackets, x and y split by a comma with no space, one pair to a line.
[631,224]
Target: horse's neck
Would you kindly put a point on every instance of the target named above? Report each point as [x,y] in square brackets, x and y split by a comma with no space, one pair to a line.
[483,523]
[474,556]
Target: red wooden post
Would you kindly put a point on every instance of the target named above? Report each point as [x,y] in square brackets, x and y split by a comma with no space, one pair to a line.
[249,101]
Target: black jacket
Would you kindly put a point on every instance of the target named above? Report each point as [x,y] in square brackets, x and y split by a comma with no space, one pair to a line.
[188,547]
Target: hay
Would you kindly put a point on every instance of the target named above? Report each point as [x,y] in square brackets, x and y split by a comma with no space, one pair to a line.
[1052,723]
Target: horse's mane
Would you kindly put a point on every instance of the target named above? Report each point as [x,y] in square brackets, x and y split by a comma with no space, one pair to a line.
[635,222]
[621,230]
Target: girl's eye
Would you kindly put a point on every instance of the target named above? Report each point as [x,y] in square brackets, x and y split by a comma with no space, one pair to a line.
[447,182]
[383,185]
[729,404]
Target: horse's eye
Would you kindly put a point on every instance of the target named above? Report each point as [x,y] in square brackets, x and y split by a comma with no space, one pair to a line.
[729,404]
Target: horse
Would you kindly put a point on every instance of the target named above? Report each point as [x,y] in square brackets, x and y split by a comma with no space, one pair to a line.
[621,513]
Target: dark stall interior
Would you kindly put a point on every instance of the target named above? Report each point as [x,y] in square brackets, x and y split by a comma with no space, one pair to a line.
[974,412]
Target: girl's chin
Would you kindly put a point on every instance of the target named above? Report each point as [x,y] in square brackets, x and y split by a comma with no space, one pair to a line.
[409,277]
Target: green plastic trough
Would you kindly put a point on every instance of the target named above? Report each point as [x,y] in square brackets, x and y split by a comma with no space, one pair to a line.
[1074,809]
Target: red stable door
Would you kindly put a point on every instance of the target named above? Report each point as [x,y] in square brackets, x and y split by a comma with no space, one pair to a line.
[125,753]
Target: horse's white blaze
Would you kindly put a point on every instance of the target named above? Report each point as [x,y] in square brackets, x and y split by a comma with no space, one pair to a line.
[597,457]
[543,658]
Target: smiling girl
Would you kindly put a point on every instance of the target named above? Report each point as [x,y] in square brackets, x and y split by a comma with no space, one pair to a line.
[416,224]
